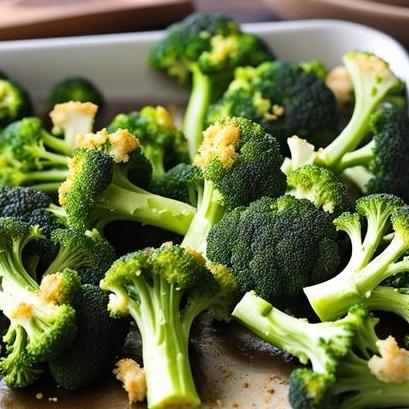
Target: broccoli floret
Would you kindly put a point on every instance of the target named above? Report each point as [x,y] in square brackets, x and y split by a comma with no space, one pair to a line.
[284,99]
[42,321]
[75,89]
[99,188]
[276,247]
[72,119]
[99,338]
[320,186]
[372,79]
[382,163]
[30,156]
[370,263]
[206,46]
[14,101]
[314,67]
[323,344]
[164,290]
[240,163]
[184,182]
[79,250]
[162,143]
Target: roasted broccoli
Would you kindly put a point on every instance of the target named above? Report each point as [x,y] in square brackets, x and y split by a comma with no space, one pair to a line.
[207,46]
[98,340]
[164,290]
[162,143]
[370,262]
[30,156]
[240,163]
[284,99]
[276,247]
[75,89]
[14,101]
[42,321]
[72,119]
[103,185]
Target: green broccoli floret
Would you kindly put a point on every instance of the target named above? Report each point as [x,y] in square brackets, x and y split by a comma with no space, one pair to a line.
[284,99]
[164,290]
[184,182]
[99,338]
[320,186]
[361,381]
[42,321]
[207,46]
[314,67]
[240,163]
[276,247]
[162,143]
[370,263]
[30,156]
[79,250]
[73,119]
[99,189]
[14,101]
[323,344]
[75,89]
[381,165]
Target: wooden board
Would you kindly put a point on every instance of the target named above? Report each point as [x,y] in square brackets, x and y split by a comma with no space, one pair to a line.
[53,18]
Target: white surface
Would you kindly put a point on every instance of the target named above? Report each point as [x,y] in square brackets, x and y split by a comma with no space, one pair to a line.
[118,62]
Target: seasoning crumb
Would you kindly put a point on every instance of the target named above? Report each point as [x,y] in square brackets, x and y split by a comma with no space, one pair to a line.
[219,402]
[235,404]
[245,384]
[271,391]
[53,399]
[39,395]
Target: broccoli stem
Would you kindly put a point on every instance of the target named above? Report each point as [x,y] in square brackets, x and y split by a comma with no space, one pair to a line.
[56,144]
[284,331]
[145,207]
[46,175]
[389,299]
[360,157]
[358,176]
[165,344]
[208,214]
[156,157]
[66,258]
[52,159]
[196,109]
[46,187]
[332,298]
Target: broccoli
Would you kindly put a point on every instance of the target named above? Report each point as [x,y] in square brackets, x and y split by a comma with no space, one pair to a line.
[42,320]
[72,119]
[164,290]
[320,186]
[379,165]
[162,143]
[207,46]
[79,250]
[240,162]
[99,188]
[276,247]
[322,344]
[98,340]
[183,182]
[14,101]
[370,264]
[30,156]
[284,99]
[75,89]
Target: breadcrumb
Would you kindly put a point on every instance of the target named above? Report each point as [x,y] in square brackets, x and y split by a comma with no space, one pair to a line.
[393,364]
[133,379]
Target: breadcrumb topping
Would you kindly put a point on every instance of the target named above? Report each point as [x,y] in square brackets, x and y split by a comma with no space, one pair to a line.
[121,143]
[60,112]
[66,186]
[393,364]
[218,142]
[133,379]
[339,82]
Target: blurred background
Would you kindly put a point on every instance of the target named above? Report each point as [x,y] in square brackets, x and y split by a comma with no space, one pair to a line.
[50,18]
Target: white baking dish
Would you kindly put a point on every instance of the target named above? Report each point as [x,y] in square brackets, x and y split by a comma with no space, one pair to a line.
[118,64]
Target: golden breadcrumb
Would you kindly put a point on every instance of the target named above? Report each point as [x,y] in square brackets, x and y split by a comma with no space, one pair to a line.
[133,379]
[60,112]
[66,186]
[393,364]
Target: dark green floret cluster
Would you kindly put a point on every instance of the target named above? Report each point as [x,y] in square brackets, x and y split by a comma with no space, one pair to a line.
[126,242]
